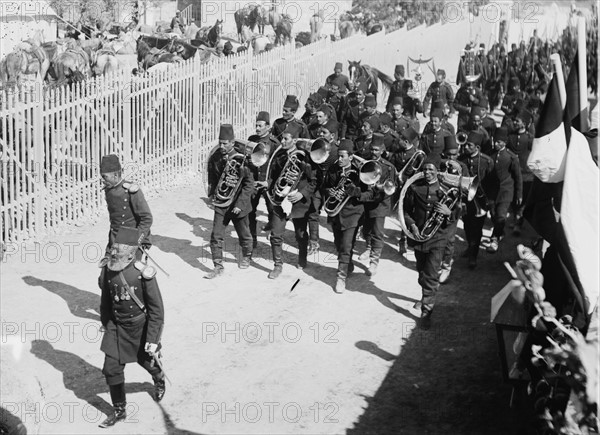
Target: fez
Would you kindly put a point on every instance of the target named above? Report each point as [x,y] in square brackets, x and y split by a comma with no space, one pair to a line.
[346,145]
[524,116]
[226,132]
[332,126]
[441,72]
[450,143]
[127,236]
[370,101]
[263,116]
[475,138]
[399,69]
[476,111]
[410,134]
[293,129]
[501,134]
[316,99]
[110,163]
[437,113]
[338,65]
[323,92]
[378,140]
[373,122]
[397,101]
[385,119]
[291,101]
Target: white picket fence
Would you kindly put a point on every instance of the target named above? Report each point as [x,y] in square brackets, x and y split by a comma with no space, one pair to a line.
[163,126]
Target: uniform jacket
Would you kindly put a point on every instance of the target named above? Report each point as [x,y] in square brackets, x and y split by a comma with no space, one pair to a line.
[306,186]
[463,103]
[280,124]
[395,91]
[433,143]
[330,78]
[127,207]
[481,166]
[418,207]
[521,144]
[308,118]
[128,328]
[439,93]
[505,181]
[244,194]
[405,121]
[390,139]
[350,119]
[400,157]
[350,214]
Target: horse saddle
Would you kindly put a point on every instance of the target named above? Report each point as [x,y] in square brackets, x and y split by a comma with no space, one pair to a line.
[32,49]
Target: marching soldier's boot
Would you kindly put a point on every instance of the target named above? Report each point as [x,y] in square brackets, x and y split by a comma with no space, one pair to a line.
[218,271]
[342,274]
[302,256]
[278,260]
[313,247]
[117,395]
[160,388]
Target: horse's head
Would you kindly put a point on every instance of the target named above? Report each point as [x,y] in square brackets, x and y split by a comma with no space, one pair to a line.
[354,70]
[218,27]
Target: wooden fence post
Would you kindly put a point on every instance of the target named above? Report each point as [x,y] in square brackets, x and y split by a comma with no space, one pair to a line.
[38,158]
[195,114]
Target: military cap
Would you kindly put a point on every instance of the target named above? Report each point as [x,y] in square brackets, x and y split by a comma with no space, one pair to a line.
[410,134]
[475,138]
[338,65]
[432,159]
[525,116]
[340,82]
[346,145]
[226,132]
[361,86]
[373,122]
[316,98]
[437,113]
[263,116]
[291,101]
[294,129]
[326,109]
[441,72]
[370,101]
[475,111]
[501,134]
[385,119]
[128,236]
[397,101]
[110,163]
[450,143]
[323,92]
[378,140]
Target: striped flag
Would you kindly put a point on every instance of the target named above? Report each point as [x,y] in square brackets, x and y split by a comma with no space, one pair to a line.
[564,201]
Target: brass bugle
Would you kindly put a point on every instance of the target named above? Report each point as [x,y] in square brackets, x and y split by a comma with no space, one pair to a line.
[369,170]
[257,151]
[318,149]
[461,138]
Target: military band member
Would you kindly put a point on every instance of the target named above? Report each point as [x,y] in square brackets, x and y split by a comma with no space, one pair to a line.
[390,137]
[263,135]
[239,209]
[290,107]
[362,144]
[337,77]
[423,199]
[323,115]
[127,206]
[401,120]
[475,125]
[329,133]
[345,223]
[487,122]
[446,125]
[505,185]
[521,142]
[467,96]
[132,315]
[300,199]
[350,121]
[311,106]
[433,143]
[378,207]
[439,92]
[396,90]
[513,97]
[481,166]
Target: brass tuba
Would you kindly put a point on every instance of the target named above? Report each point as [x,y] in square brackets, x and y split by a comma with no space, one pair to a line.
[369,172]
[467,185]
[289,178]
[231,177]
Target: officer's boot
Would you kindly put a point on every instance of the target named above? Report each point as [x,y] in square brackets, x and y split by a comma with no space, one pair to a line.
[160,387]
[278,260]
[342,273]
[302,255]
[117,395]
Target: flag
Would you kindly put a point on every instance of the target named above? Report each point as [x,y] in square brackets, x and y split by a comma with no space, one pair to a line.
[564,201]
[576,111]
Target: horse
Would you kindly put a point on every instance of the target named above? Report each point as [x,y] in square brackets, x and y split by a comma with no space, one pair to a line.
[148,57]
[260,43]
[316,25]
[282,25]
[104,61]
[358,73]
[183,49]
[212,37]
[251,16]
[73,65]
[348,28]
[28,58]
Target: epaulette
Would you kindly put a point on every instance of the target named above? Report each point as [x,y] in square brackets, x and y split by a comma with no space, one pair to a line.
[131,187]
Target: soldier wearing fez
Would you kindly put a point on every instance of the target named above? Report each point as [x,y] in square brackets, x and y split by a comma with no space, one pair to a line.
[396,90]
[239,209]
[295,206]
[132,314]
[127,206]
[422,199]
[290,107]
[263,135]
[337,78]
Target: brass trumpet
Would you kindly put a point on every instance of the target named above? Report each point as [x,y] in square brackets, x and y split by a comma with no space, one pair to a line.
[231,177]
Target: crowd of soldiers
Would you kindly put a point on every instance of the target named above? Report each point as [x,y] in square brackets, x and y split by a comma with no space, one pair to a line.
[342,115]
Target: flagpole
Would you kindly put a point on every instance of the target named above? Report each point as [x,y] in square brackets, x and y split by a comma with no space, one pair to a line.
[560,78]
[583,87]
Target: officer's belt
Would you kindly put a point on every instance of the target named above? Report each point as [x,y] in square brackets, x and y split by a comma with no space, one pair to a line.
[132,294]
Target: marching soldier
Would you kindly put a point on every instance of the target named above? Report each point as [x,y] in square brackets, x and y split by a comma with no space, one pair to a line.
[132,314]
[505,185]
[475,125]
[513,97]
[422,199]
[299,197]
[390,137]
[378,207]
[337,78]
[400,117]
[312,104]
[481,166]
[396,90]
[290,107]
[323,115]
[445,122]
[439,92]
[350,120]
[239,209]
[362,144]
[127,206]
[467,96]
[487,122]
[520,142]
[345,223]
[263,135]
[433,143]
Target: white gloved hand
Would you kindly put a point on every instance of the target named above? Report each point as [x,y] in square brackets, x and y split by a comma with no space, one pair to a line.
[151,348]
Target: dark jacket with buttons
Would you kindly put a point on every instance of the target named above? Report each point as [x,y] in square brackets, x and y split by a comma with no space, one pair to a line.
[521,144]
[280,124]
[127,207]
[418,207]
[433,143]
[481,166]
[505,181]
[128,328]
[242,200]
